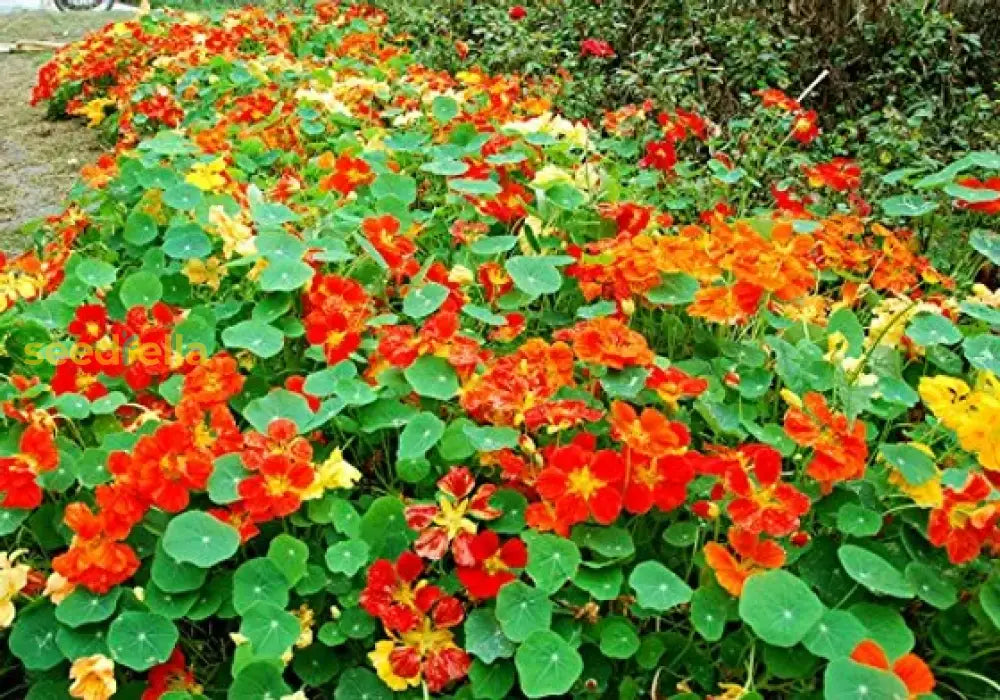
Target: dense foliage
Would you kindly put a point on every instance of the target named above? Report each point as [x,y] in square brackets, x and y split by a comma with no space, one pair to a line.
[348,376]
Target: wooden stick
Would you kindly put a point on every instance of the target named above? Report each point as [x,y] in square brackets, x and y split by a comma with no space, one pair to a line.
[812,86]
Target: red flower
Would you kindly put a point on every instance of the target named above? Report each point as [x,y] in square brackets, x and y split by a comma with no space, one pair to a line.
[805,127]
[172,675]
[488,565]
[393,594]
[89,324]
[840,174]
[910,669]
[37,455]
[214,381]
[75,378]
[517,12]
[673,384]
[989,206]
[559,415]
[660,482]
[579,483]
[597,48]
[609,342]
[349,173]
[94,560]
[332,331]
[661,155]
[239,518]
[764,503]
[277,487]
[965,520]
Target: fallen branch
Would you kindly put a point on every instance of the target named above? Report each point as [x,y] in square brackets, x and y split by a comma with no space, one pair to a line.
[26,45]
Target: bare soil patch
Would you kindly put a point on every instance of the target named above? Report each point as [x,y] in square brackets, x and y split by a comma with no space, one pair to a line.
[40,159]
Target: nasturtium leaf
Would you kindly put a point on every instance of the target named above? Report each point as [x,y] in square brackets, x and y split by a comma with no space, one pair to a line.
[347,557]
[522,610]
[285,275]
[886,626]
[33,637]
[981,312]
[11,519]
[779,607]
[897,391]
[383,526]
[484,315]
[141,640]
[512,504]
[172,606]
[140,228]
[859,521]
[476,187]
[619,639]
[355,623]
[260,680]
[425,300]
[96,273]
[973,195]
[448,167]
[420,434]
[657,587]
[681,534]
[552,560]
[565,196]
[534,275]
[260,338]
[608,541]
[361,683]
[81,607]
[395,185]
[491,681]
[710,611]
[675,288]
[490,439]
[432,377]
[930,586]
[989,598]
[835,635]
[873,572]
[483,637]
[270,629]
[198,538]
[624,384]
[847,680]
[987,243]
[316,664]
[907,205]
[601,584]
[72,406]
[444,108]
[141,288]
[82,641]
[983,352]
[916,466]
[259,580]
[224,482]
[290,555]
[547,665]
[186,241]
[492,245]
[933,329]
[279,403]
[183,196]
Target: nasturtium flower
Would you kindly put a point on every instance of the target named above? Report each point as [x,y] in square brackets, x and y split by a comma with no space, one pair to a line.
[488,564]
[762,502]
[650,432]
[750,554]
[208,175]
[36,455]
[966,520]
[914,673]
[839,449]
[173,675]
[13,579]
[609,342]
[334,472]
[459,505]
[93,678]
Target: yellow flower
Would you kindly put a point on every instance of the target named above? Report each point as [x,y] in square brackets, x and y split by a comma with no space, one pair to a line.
[551,175]
[461,275]
[13,577]
[926,495]
[979,432]
[946,398]
[207,272]
[94,111]
[334,473]
[93,678]
[207,176]
[306,617]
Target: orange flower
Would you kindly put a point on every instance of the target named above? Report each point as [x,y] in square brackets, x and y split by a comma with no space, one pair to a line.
[730,304]
[93,678]
[650,433]
[909,668]
[213,382]
[839,448]
[37,455]
[348,173]
[966,519]
[609,342]
[755,555]
[672,385]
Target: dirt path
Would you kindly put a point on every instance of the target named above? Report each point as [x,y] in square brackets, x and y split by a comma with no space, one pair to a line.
[39,159]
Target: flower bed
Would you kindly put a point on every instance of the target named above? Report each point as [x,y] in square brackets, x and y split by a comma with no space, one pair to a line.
[345,376]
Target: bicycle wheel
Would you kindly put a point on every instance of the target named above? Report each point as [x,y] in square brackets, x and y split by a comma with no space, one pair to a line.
[75,5]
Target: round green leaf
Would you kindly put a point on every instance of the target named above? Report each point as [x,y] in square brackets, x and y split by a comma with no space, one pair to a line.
[347,557]
[270,629]
[420,434]
[140,228]
[425,300]
[709,611]
[983,352]
[259,680]
[534,275]
[602,584]
[619,639]
[96,273]
[856,520]
[198,538]
[933,329]
[484,638]
[82,607]
[779,607]
[522,610]
[259,580]
[432,377]
[491,682]
[657,587]
[33,638]
[930,586]
[290,555]
[873,572]
[552,560]
[836,635]
[141,289]
[547,665]
[259,338]
[846,680]
[361,683]
[141,640]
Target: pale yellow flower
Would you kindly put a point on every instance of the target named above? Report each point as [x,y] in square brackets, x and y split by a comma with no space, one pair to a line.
[204,272]
[237,237]
[94,111]
[93,678]
[306,618]
[57,588]
[13,577]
